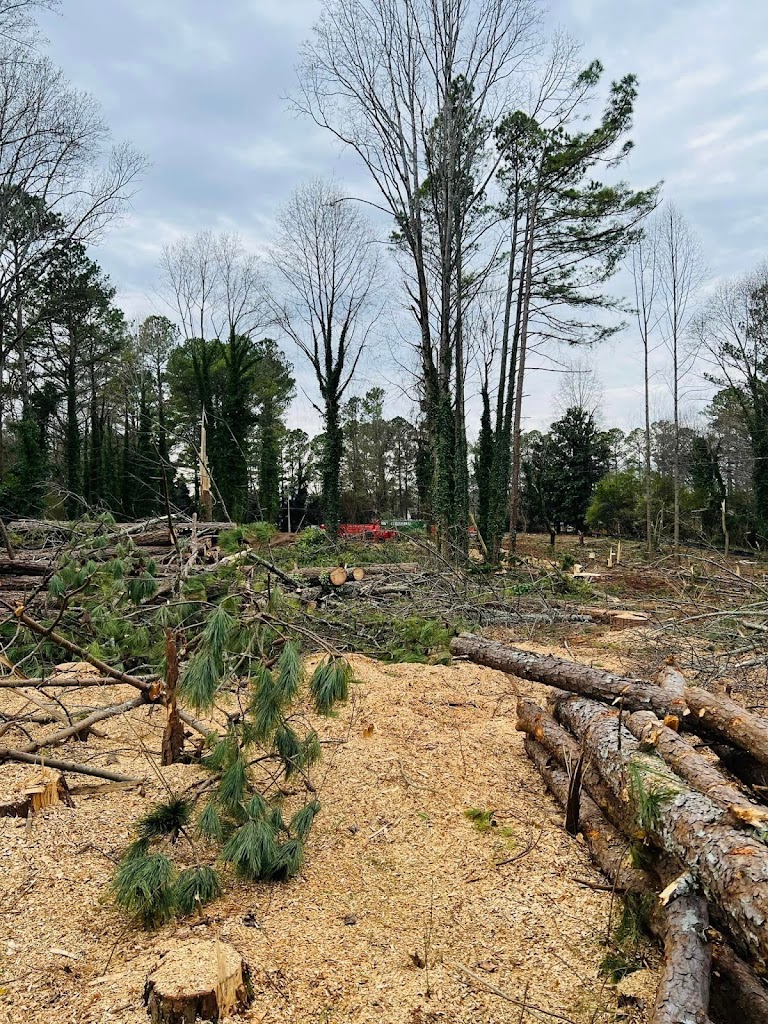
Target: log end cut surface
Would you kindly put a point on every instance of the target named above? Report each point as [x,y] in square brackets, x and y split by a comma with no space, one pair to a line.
[205,980]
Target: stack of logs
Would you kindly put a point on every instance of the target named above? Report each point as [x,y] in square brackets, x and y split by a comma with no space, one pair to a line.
[681,772]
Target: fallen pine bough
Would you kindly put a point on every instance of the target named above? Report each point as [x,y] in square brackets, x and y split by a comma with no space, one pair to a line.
[612,757]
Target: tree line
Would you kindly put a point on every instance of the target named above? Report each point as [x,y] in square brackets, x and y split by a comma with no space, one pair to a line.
[502,213]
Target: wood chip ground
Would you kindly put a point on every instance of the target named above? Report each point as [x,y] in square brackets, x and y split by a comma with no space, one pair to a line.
[396,876]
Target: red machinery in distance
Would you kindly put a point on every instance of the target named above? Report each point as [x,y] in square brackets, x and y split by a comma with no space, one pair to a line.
[366,531]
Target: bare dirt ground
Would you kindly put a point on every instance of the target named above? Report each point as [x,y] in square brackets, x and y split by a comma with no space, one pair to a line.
[397,877]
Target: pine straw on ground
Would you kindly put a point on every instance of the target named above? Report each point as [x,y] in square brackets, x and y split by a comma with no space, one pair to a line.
[397,876]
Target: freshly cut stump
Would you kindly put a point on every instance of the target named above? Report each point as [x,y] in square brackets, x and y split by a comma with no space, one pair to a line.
[200,979]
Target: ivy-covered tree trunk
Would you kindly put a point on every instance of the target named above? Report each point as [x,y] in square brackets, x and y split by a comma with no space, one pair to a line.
[484,467]
[333,451]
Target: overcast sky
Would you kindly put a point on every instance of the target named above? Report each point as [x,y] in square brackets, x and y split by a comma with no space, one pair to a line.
[200,88]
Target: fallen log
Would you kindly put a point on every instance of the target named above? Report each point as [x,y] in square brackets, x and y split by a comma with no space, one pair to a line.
[699,711]
[65,766]
[15,567]
[737,994]
[75,682]
[730,866]
[697,771]
[609,848]
[560,745]
[683,993]
[57,738]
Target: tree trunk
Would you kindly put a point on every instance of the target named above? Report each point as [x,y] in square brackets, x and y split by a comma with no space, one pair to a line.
[206,980]
[698,710]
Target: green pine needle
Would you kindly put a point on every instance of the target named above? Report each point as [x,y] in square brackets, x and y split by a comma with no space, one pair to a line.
[202,678]
[330,683]
[303,819]
[290,673]
[252,850]
[290,748]
[311,751]
[266,707]
[143,887]
[257,807]
[224,752]
[289,860]
[209,824]
[195,887]
[233,784]
[166,819]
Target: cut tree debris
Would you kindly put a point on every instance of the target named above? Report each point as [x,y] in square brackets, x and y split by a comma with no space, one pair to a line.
[704,837]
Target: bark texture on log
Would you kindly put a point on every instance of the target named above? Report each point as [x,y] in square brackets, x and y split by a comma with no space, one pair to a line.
[730,866]
[699,711]
[737,995]
[683,993]
[561,745]
[206,980]
[697,771]
[565,675]
[608,847]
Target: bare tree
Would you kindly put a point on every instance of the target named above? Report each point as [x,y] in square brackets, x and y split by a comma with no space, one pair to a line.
[580,387]
[645,275]
[680,267]
[190,276]
[327,268]
[61,180]
[415,88]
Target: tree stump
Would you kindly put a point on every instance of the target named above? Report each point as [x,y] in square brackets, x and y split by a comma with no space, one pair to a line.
[198,979]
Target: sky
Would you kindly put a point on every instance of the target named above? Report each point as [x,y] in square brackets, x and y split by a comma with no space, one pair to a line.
[201,89]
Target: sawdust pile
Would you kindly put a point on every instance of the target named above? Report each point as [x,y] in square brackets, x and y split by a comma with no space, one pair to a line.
[401,896]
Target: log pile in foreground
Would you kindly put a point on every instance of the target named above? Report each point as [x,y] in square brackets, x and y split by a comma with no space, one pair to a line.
[611,752]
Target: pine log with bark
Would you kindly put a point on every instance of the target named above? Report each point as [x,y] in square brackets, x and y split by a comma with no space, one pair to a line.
[699,710]
[609,848]
[697,771]
[541,726]
[730,866]
[737,994]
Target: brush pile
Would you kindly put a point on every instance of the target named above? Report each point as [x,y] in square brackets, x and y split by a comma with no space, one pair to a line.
[666,784]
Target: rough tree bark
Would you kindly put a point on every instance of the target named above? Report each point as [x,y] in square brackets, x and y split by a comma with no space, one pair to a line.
[699,711]
[697,771]
[730,866]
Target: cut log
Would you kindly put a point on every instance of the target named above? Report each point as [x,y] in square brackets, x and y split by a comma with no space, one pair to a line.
[77,682]
[561,745]
[697,771]
[57,738]
[683,993]
[16,567]
[608,847]
[730,866]
[339,576]
[206,980]
[699,710]
[737,994]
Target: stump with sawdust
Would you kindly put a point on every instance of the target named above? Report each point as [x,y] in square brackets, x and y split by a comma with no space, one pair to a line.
[201,979]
